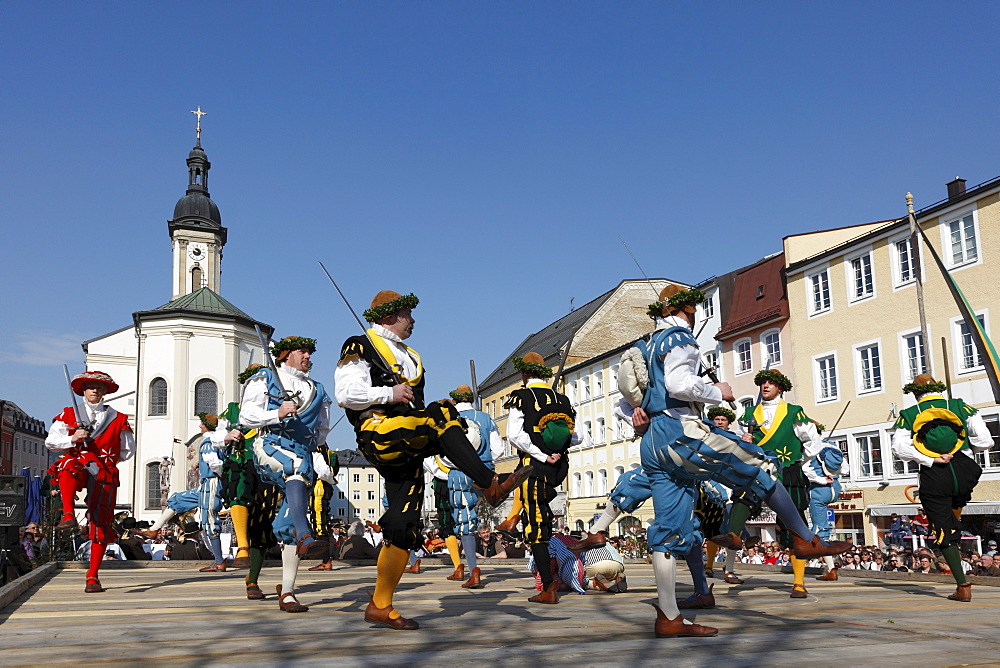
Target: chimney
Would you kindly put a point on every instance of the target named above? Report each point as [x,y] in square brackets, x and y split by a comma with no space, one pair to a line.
[956,188]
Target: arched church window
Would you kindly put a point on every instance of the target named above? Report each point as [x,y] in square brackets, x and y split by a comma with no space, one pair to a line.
[158,397]
[196,279]
[206,396]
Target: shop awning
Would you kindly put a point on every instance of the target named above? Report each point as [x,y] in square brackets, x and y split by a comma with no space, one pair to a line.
[974,508]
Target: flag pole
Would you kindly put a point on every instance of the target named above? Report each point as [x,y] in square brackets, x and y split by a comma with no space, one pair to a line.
[923,361]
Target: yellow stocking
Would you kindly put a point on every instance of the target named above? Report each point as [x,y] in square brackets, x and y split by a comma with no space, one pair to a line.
[799,571]
[711,549]
[241,520]
[517,505]
[391,564]
[451,542]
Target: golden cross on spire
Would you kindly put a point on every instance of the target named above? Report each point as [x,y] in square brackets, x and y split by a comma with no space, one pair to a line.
[199,114]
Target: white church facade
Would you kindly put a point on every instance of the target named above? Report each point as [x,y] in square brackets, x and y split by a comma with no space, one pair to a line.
[180,358]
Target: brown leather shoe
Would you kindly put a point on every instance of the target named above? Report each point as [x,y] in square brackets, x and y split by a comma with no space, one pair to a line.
[592,540]
[145,533]
[67,523]
[498,491]
[732,579]
[475,581]
[241,562]
[817,547]
[415,568]
[214,568]
[962,593]
[327,566]
[254,593]
[832,576]
[317,548]
[799,591]
[509,525]
[730,541]
[288,603]
[374,527]
[709,573]
[93,586]
[550,595]
[459,573]
[677,628]
[377,615]
[698,601]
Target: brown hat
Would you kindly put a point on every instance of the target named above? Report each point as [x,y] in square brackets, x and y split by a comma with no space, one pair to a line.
[462,393]
[80,380]
[533,364]
[388,302]
[674,299]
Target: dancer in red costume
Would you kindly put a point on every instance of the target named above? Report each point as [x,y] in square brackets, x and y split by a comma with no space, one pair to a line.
[90,447]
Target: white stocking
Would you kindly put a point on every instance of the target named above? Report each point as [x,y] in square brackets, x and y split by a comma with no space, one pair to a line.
[665,572]
[167,515]
[829,563]
[730,560]
[606,519]
[289,568]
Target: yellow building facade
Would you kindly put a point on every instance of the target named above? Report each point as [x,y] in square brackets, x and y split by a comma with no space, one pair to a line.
[854,317]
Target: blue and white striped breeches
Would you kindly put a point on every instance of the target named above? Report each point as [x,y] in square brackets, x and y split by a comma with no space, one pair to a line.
[631,491]
[464,498]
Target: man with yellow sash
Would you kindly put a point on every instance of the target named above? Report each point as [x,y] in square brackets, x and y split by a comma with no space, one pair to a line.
[380,384]
[782,428]
[941,434]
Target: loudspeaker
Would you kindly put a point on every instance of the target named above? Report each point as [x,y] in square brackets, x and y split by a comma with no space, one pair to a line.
[13,500]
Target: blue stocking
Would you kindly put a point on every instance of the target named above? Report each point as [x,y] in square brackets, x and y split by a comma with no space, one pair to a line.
[781,503]
[295,494]
[696,564]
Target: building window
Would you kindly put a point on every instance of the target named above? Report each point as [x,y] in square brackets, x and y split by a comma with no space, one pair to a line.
[602,482]
[614,377]
[711,361]
[990,459]
[577,485]
[588,483]
[968,354]
[356,494]
[357,477]
[819,292]
[870,454]
[914,357]
[619,430]
[708,307]
[771,342]
[206,396]
[869,368]
[743,361]
[371,513]
[900,467]
[905,272]
[862,283]
[158,397]
[341,512]
[153,495]
[588,432]
[371,495]
[600,431]
[357,512]
[340,495]
[572,393]
[599,384]
[371,477]
[962,237]
[826,378]
[585,384]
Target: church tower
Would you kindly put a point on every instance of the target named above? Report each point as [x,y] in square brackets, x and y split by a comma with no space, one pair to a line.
[196,230]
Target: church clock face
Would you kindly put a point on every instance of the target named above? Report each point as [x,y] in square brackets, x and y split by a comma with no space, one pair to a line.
[197,251]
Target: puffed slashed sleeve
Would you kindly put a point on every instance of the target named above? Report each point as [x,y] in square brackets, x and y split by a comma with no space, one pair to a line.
[354,386]
[902,446]
[519,438]
[253,409]
[59,437]
[810,437]
[127,443]
[680,372]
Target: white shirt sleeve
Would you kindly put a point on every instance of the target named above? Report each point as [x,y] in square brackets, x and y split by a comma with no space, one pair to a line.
[127,444]
[812,442]
[520,439]
[253,409]
[496,444]
[980,437]
[59,437]
[623,410]
[811,474]
[322,468]
[354,389]
[680,373]
[323,425]
[902,447]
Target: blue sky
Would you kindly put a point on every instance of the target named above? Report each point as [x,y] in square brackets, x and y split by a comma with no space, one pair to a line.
[485,156]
